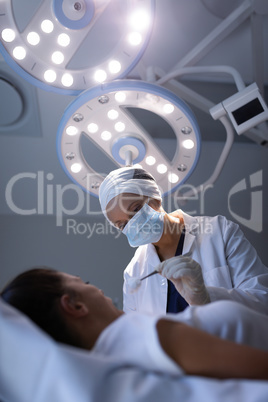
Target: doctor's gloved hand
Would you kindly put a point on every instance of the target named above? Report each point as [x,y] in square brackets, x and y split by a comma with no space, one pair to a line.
[186,274]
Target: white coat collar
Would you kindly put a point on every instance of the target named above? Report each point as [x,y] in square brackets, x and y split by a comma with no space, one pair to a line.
[191,228]
[190,222]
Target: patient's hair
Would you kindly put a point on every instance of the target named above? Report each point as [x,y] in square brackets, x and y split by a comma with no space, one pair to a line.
[37,293]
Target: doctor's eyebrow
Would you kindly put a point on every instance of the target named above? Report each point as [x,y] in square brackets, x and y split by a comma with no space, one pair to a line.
[129,207]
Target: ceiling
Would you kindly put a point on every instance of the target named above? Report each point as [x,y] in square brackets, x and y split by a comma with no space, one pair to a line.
[29,116]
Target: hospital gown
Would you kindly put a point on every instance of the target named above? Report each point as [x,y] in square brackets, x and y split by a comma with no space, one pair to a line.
[133,338]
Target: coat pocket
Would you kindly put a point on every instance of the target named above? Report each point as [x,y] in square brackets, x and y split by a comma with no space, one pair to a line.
[219,277]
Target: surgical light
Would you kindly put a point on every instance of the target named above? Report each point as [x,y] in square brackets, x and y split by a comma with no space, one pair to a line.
[100,75]
[19,52]
[57,57]
[76,167]
[33,38]
[134,38]
[120,96]
[168,108]
[64,40]
[92,128]
[162,168]
[67,80]
[119,127]
[50,76]
[139,20]
[125,140]
[106,135]
[188,144]
[150,160]
[113,114]
[114,66]
[71,130]
[69,37]
[173,178]
[47,26]
[8,35]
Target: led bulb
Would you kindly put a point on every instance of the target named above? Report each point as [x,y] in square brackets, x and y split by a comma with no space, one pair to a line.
[139,20]
[57,57]
[188,144]
[135,38]
[112,114]
[67,80]
[100,76]
[173,178]
[119,126]
[76,167]
[8,35]
[106,135]
[64,40]
[120,96]
[92,128]
[19,52]
[50,75]
[47,26]
[71,130]
[150,160]
[161,168]
[168,108]
[33,38]
[114,66]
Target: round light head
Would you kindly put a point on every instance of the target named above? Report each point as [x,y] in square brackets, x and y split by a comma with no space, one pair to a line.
[70,38]
[103,115]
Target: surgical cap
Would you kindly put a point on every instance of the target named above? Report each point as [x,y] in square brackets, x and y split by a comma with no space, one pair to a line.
[127,180]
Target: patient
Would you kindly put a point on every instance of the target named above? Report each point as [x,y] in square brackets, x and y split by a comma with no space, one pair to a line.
[79,314]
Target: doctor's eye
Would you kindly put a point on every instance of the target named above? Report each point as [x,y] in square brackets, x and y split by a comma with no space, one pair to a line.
[137,208]
[121,226]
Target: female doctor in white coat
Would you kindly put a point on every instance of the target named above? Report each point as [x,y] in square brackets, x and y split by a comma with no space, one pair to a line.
[200,259]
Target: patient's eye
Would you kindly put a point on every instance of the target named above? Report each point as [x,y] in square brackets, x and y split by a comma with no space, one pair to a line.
[87,283]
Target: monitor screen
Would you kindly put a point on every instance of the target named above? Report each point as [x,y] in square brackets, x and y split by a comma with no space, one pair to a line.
[248,111]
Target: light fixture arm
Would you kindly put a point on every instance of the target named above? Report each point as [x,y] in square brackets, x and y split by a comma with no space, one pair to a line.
[204,104]
[222,159]
[205,70]
[129,158]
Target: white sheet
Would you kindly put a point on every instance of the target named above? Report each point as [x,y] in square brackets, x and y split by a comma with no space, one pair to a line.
[33,368]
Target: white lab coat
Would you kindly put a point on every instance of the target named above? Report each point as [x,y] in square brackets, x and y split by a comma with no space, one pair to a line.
[230,265]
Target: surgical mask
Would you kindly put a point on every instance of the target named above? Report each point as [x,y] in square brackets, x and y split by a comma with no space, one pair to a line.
[145,227]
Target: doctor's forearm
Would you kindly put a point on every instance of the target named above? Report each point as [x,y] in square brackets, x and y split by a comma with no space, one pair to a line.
[199,353]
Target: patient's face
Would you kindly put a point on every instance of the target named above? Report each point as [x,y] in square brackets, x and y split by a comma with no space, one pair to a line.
[93,297]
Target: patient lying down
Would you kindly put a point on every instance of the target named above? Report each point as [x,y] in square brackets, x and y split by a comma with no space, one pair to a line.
[80,315]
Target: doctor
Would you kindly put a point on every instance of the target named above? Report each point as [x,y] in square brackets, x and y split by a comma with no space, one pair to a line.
[205,258]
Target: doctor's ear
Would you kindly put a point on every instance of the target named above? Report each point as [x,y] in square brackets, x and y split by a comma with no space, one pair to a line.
[72,306]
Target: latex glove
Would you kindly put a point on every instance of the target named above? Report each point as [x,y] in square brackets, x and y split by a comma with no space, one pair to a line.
[186,274]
